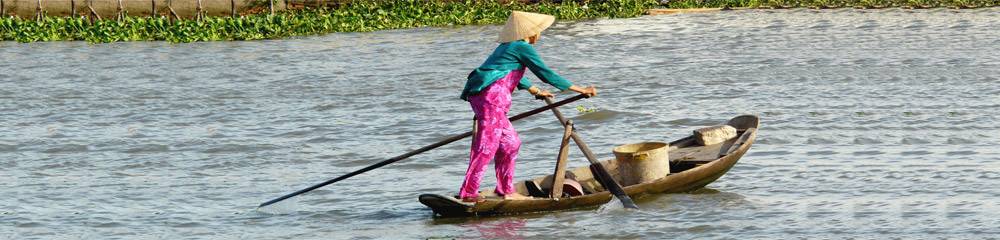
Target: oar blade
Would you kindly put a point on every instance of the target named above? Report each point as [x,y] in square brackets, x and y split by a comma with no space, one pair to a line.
[609,183]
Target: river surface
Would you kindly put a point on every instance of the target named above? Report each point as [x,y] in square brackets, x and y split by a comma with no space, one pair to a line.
[875,124]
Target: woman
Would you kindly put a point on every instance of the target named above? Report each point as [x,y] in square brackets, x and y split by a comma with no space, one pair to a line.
[489,89]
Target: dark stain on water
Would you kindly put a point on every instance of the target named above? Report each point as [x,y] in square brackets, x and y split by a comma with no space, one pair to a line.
[876,124]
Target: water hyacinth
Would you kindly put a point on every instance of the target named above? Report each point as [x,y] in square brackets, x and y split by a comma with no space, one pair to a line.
[358,16]
[363,16]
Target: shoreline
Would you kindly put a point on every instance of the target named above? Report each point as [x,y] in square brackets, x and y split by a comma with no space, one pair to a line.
[357,17]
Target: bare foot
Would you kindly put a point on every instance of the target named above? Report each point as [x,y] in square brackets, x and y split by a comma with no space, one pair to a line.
[515,196]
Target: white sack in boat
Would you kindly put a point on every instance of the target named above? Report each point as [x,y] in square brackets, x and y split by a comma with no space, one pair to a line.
[715,134]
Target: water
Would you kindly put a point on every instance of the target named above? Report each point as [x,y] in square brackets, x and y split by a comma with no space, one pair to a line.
[875,124]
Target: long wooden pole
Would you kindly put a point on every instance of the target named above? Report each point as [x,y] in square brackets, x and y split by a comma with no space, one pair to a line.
[153,3]
[198,9]
[38,11]
[418,151]
[91,12]
[599,171]
[121,11]
[172,12]
[232,4]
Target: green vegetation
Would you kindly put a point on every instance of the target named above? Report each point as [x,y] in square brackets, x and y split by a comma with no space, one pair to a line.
[832,3]
[358,16]
[583,109]
[362,16]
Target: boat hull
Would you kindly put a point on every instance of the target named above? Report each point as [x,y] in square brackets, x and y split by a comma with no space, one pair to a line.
[702,173]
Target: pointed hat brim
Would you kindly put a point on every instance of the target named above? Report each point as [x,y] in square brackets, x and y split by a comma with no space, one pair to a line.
[521,25]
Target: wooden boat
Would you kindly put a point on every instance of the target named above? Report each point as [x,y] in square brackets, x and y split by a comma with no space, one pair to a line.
[692,166]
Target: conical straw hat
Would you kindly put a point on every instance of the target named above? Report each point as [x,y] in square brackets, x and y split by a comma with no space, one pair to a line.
[521,25]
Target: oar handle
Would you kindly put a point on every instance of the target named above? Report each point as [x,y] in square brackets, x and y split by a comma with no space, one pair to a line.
[418,151]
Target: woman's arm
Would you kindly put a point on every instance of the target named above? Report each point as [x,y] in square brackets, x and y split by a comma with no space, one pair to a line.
[527,55]
[590,91]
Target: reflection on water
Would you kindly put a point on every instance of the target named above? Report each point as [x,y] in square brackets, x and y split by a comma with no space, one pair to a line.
[875,124]
[506,228]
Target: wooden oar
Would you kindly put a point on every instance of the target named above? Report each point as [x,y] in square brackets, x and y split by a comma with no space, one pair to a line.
[599,171]
[418,151]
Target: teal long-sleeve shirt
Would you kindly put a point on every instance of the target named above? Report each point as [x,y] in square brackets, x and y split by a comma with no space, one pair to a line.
[506,58]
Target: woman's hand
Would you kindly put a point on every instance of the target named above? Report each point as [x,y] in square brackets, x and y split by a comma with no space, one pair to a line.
[589,91]
[539,93]
[544,94]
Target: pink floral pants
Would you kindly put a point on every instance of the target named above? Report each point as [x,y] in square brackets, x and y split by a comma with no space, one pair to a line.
[495,138]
